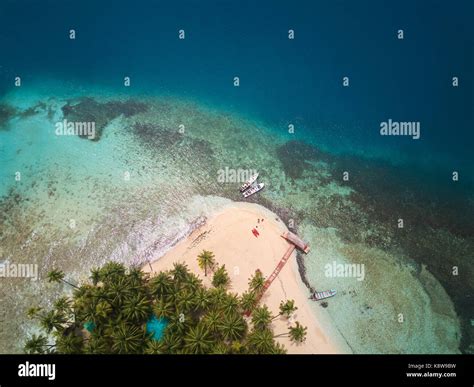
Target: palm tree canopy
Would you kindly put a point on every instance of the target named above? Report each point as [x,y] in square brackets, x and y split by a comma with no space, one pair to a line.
[233,327]
[261,318]
[69,343]
[221,277]
[198,340]
[261,341]
[36,344]
[179,272]
[256,282]
[287,308]
[206,260]
[119,302]
[163,308]
[161,284]
[298,333]
[52,320]
[55,275]
[127,339]
[111,271]
[248,301]
[137,308]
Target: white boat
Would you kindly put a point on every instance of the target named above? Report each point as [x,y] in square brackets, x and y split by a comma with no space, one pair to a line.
[255,188]
[249,182]
[318,296]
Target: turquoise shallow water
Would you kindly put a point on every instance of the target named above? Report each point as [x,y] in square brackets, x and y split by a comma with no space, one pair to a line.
[152,176]
[145,185]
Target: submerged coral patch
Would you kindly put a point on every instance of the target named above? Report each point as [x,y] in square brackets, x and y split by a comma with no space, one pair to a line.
[295,156]
[6,114]
[89,110]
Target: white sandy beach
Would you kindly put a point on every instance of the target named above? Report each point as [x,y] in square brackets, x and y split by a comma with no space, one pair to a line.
[228,235]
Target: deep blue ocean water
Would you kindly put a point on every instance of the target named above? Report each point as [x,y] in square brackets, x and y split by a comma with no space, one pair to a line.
[282,81]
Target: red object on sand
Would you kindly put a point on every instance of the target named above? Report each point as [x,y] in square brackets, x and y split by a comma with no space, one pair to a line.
[255,232]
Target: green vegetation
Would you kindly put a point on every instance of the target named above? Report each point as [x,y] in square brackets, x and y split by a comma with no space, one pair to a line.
[221,278]
[117,302]
[206,261]
[256,282]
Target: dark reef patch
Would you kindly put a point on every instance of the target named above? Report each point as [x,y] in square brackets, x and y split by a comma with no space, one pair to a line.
[403,193]
[7,112]
[295,156]
[89,110]
[33,110]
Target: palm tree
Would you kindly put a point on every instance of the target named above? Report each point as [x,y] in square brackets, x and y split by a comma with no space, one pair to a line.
[248,301]
[198,340]
[36,344]
[97,344]
[261,341]
[230,304]
[233,327]
[298,333]
[257,282]
[278,349]
[102,311]
[154,347]
[185,301]
[95,276]
[52,321]
[172,342]
[179,323]
[112,271]
[85,309]
[161,284]
[217,295]
[63,305]
[221,278]
[117,292]
[261,318]
[219,349]
[56,275]
[206,261]
[287,308]
[69,344]
[193,283]
[136,276]
[203,299]
[163,308]
[237,347]
[33,312]
[179,272]
[127,339]
[212,320]
[136,308]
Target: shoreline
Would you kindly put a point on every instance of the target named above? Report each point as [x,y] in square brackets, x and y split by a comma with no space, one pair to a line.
[227,233]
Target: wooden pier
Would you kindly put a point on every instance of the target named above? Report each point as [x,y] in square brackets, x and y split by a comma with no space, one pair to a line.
[294,242]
